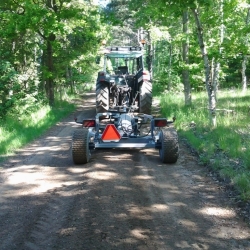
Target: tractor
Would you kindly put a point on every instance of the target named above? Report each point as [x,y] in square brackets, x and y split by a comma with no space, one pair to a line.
[123,82]
[123,117]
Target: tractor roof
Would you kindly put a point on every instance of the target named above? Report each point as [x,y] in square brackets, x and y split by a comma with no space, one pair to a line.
[123,52]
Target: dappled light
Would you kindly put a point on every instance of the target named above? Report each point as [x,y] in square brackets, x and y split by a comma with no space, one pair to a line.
[140,233]
[36,180]
[160,207]
[101,175]
[219,212]
[143,177]
[190,225]
[185,245]
[67,231]
[122,202]
[114,168]
[140,213]
[120,199]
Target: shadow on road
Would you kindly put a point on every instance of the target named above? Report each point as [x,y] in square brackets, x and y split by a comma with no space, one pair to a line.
[121,199]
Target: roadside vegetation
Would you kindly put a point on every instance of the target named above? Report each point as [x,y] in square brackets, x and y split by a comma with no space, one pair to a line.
[28,123]
[225,148]
[197,53]
[47,57]
[29,120]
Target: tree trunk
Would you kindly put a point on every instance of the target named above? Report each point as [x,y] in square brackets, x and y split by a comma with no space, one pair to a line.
[69,80]
[43,88]
[243,73]
[209,86]
[50,68]
[215,77]
[244,62]
[185,50]
[216,65]
[150,56]
[170,67]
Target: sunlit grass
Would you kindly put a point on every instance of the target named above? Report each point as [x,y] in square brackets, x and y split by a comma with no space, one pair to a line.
[16,132]
[226,145]
[31,119]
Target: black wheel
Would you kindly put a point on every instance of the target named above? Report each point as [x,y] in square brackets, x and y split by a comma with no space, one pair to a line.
[169,150]
[80,146]
[102,97]
[145,102]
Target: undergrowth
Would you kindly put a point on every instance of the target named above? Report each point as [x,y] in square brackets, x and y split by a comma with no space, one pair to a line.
[21,127]
[225,147]
[32,117]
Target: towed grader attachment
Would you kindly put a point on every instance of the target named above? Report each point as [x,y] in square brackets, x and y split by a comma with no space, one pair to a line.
[125,131]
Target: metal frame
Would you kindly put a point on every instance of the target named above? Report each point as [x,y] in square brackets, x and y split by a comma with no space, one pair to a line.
[136,141]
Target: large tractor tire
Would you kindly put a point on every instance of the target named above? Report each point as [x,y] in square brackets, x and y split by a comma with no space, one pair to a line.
[80,146]
[102,97]
[169,151]
[145,101]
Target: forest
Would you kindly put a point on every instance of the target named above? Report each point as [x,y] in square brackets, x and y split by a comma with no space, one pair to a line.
[196,51]
[50,46]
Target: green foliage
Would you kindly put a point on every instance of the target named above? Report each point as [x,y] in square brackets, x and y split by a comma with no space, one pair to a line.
[242,180]
[9,88]
[18,131]
[44,46]
[224,147]
[122,30]
[226,37]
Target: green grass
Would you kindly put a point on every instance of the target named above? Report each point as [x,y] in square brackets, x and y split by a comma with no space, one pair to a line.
[226,147]
[15,133]
[28,121]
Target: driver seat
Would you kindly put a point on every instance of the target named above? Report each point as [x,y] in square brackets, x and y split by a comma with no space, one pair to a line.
[123,69]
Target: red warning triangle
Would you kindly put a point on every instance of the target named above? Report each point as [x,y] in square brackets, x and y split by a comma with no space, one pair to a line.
[110,133]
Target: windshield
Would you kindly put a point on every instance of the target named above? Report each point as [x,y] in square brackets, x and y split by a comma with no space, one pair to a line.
[124,52]
[123,60]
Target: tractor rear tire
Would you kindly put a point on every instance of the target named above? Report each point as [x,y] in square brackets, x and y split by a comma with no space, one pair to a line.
[169,151]
[80,146]
[102,97]
[145,103]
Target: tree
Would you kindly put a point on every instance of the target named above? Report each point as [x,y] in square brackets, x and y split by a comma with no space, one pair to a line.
[209,86]
[47,40]
[210,35]
[244,62]
[185,49]
[122,30]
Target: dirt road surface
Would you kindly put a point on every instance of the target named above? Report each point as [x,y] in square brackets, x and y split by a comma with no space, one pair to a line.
[119,200]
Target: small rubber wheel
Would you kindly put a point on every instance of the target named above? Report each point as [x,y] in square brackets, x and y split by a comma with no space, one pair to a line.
[80,146]
[169,151]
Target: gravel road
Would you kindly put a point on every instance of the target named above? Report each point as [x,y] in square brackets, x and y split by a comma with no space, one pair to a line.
[121,199]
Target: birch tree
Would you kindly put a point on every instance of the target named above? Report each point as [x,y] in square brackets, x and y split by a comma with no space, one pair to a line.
[245,58]
[185,57]
[207,66]
[216,60]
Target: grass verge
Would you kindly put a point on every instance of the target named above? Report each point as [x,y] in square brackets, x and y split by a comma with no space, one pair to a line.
[224,148]
[15,133]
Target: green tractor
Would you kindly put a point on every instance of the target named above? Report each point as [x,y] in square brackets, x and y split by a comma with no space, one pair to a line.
[123,111]
[123,83]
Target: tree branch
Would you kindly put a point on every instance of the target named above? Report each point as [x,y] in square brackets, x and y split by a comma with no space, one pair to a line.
[20,6]
[42,35]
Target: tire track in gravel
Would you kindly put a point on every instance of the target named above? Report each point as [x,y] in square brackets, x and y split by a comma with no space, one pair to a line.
[132,201]
[38,187]
[44,233]
[121,199]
